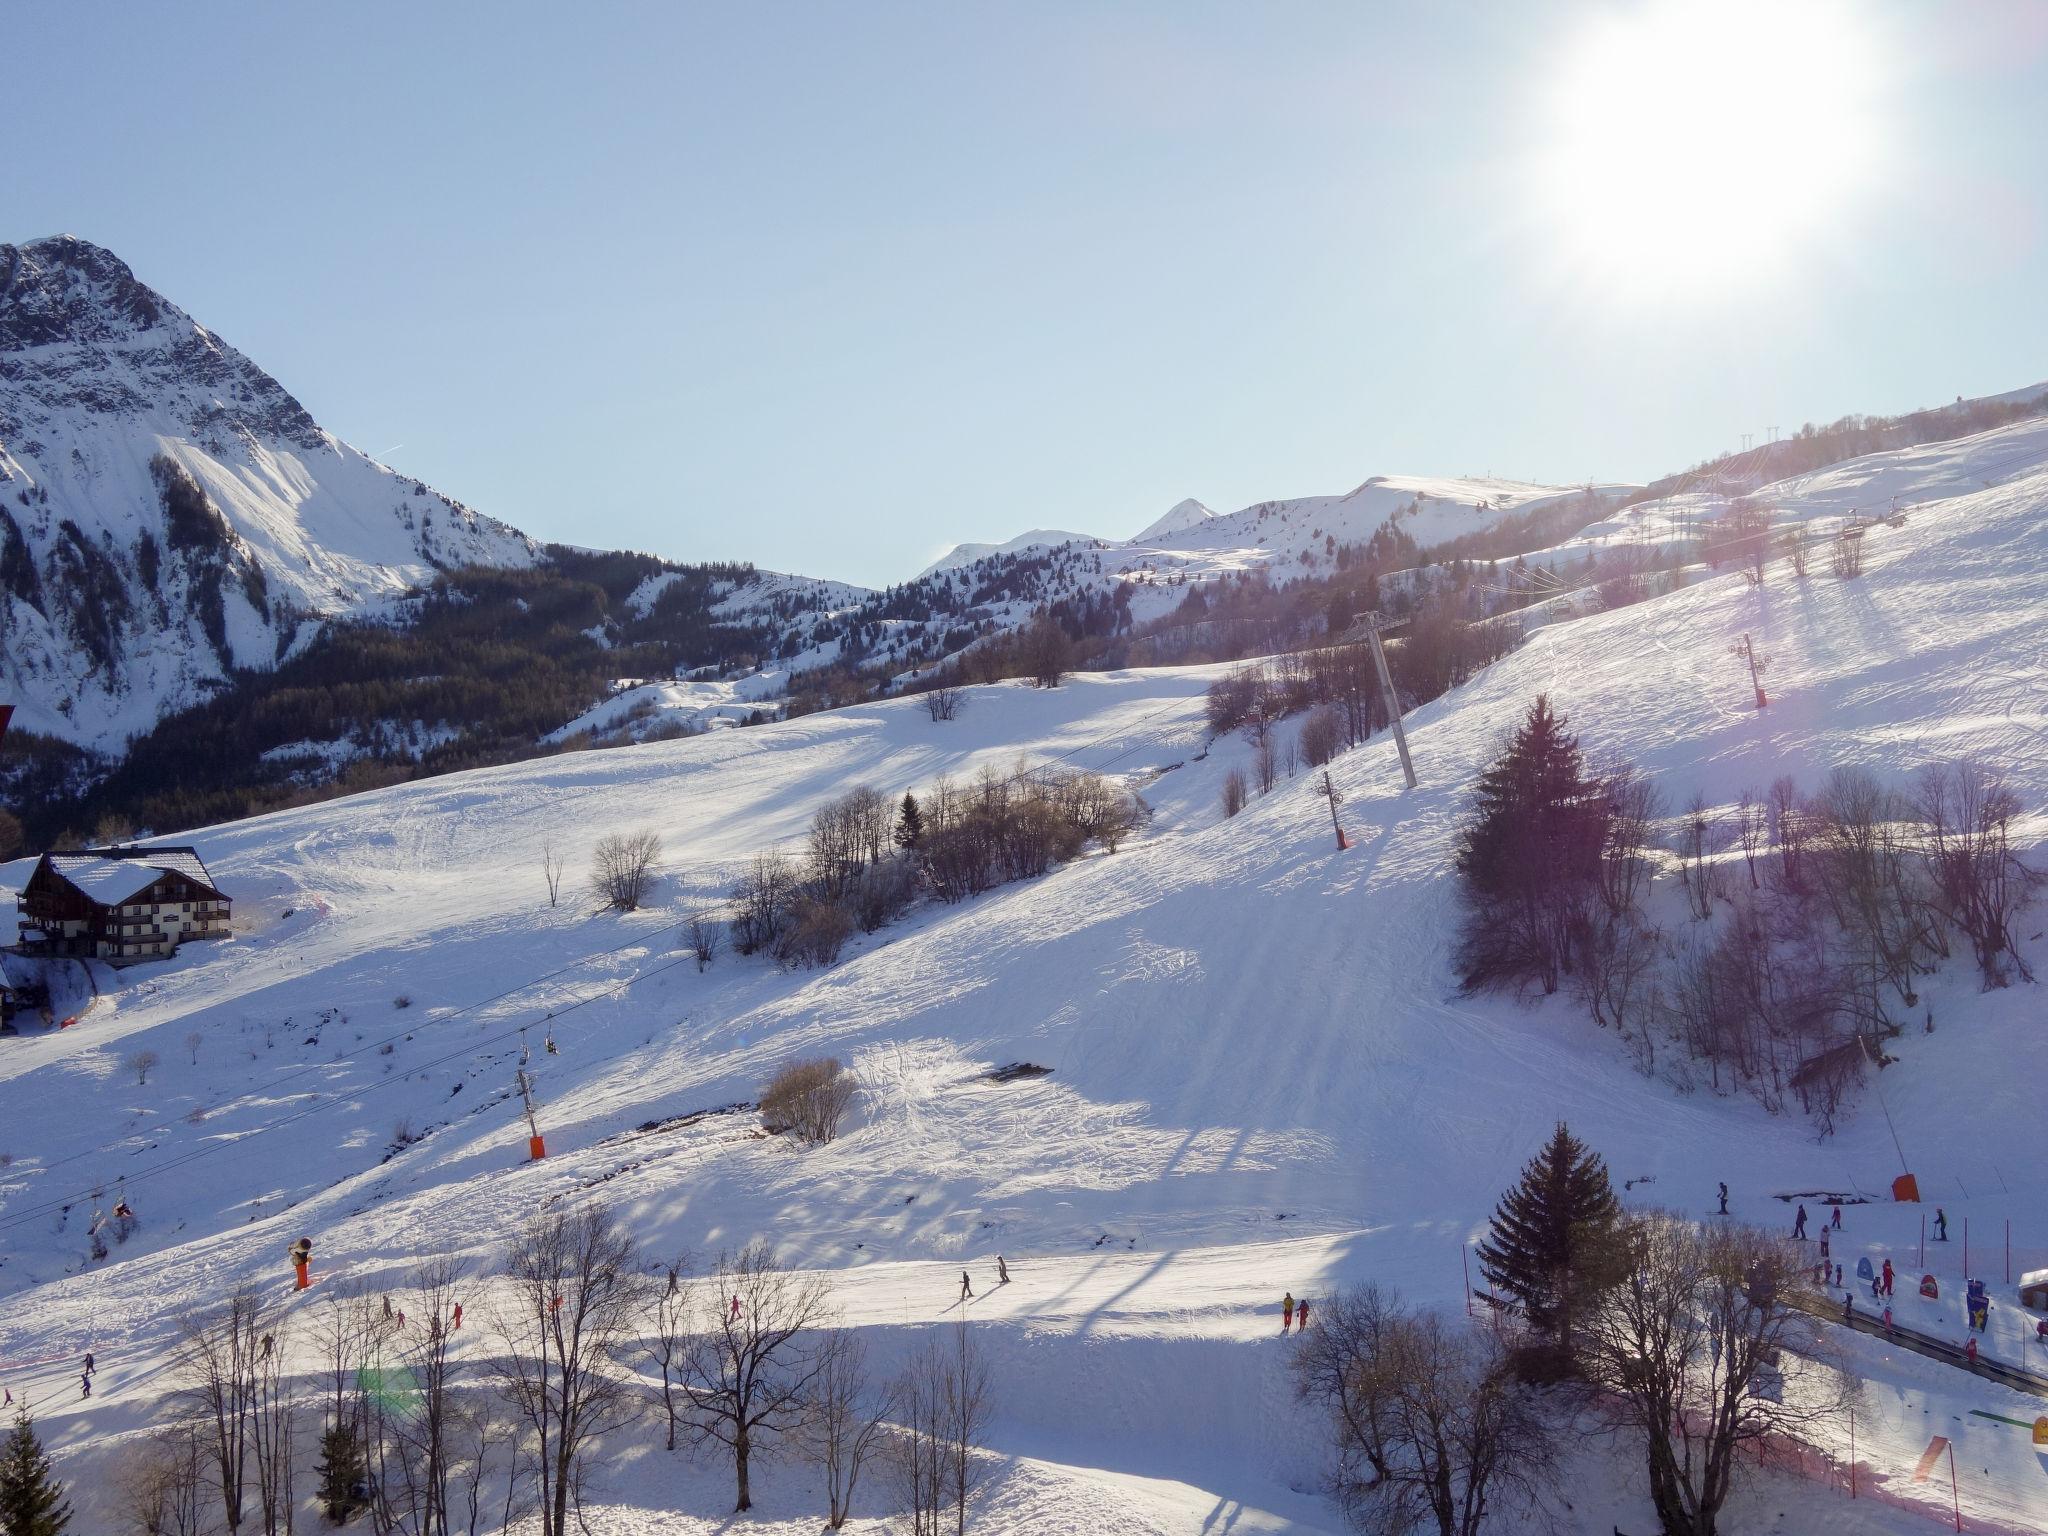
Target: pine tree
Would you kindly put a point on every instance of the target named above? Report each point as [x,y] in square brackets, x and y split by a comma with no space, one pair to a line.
[1530,856]
[1553,1246]
[32,1502]
[343,1470]
[909,823]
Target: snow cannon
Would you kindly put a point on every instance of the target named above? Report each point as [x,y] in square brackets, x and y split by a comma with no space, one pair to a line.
[301,1254]
[1906,1189]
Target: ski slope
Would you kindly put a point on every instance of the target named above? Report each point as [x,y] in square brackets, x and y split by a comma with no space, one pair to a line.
[1262,1078]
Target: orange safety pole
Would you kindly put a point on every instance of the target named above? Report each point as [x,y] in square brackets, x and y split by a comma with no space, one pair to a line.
[301,1269]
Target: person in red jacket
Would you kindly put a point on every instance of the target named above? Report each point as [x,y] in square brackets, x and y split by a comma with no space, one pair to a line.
[1887,1277]
[1970,1349]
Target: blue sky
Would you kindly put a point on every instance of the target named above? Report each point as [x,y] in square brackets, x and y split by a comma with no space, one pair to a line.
[830,287]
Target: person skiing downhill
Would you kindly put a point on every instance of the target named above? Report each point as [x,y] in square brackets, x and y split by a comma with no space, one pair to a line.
[89,1366]
[1835,1220]
[1301,1315]
[966,1286]
[1799,1225]
[1002,1271]
[734,1315]
[85,1384]
[458,1316]
[1287,1311]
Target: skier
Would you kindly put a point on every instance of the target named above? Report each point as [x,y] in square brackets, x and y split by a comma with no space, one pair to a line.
[1848,1309]
[1799,1225]
[734,1315]
[1301,1315]
[1940,1225]
[458,1316]
[269,1343]
[85,1384]
[1887,1322]
[966,1286]
[1287,1311]
[1724,1198]
[401,1317]
[1824,1244]
[1970,1349]
[1002,1271]
[89,1366]
[1887,1277]
[1835,1221]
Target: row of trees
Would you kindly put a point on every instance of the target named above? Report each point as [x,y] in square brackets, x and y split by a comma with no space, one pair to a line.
[1686,1339]
[586,1341]
[867,859]
[1816,913]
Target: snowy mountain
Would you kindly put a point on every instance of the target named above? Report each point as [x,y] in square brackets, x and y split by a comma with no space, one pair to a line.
[168,511]
[1263,1077]
[963,555]
[1182,515]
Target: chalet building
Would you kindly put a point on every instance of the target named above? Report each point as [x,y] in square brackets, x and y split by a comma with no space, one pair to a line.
[121,905]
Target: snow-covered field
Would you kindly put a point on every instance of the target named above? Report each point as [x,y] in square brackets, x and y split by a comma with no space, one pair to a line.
[1261,1076]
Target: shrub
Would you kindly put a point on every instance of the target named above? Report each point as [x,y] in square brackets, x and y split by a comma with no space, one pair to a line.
[1234,791]
[623,867]
[816,933]
[809,1098]
[1322,734]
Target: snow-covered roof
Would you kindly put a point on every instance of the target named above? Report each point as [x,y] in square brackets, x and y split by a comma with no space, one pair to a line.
[111,876]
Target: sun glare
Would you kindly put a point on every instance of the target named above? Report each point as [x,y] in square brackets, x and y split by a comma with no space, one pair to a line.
[1689,149]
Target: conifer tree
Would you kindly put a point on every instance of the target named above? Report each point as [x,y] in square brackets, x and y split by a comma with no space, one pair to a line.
[32,1502]
[1530,857]
[343,1469]
[909,823]
[1554,1245]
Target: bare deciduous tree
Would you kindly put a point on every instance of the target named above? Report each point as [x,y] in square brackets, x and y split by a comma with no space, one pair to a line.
[1322,735]
[1234,791]
[808,1097]
[1704,1353]
[551,866]
[1751,820]
[1966,814]
[216,1364]
[142,1063]
[945,701]
[572,1298]
[844,1419]
[161,1484]
[622,868]
[193,1041]
[749,1370]
[943,1401]
[705,935]
[1633,807]
[1432,1429]
[672,1303]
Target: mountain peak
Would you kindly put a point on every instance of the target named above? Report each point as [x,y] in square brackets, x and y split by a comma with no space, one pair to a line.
[1185,514]
[62,288]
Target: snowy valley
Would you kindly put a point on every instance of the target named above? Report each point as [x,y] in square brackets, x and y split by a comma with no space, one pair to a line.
[1262,1075]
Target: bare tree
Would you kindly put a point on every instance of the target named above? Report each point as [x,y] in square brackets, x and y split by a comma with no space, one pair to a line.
[943,1401]
[622,868]
[572,1298]
[763,900]
[672,1303]
[748,1372]
[1322,734]
[551,866]
[1045,651]
[217,1363]
[1966,813]
[1234,791]
[193,1041]
[808,1097]
[428,1431]
[1751,821]
[705,935]
[1698,842]
[945,701]
[1704,1352]
[1265,764]
[1633,808]
[1788,825]
[142,1063]
[844,1419]
[273,1431]
[161,1484]
[1432,1429]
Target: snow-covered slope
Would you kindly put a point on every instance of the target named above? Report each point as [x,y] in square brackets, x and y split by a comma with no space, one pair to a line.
[1178,518]
[115,612]
[1262,1078]
[961,555]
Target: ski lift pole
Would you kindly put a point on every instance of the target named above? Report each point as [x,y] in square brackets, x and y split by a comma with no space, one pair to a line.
[536,1144]
[1373,622]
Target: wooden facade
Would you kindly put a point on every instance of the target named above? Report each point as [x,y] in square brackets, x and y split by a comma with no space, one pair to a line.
[121,905]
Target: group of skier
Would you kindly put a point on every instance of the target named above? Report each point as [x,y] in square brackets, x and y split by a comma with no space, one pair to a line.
[1293,1312]
[967,1281]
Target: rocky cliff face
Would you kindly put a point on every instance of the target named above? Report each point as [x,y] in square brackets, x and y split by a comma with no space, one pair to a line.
[169,512]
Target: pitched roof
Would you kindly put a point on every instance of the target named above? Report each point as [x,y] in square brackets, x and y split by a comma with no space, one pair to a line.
[111,876]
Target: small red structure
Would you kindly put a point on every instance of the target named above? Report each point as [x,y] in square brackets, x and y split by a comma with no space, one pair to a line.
[1929,1289]
[1906,1189]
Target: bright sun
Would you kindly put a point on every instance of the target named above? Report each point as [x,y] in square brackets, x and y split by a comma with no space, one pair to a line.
[1689,149]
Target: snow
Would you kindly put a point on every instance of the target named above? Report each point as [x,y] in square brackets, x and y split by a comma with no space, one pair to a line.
[1262,1075]
[1037,538]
